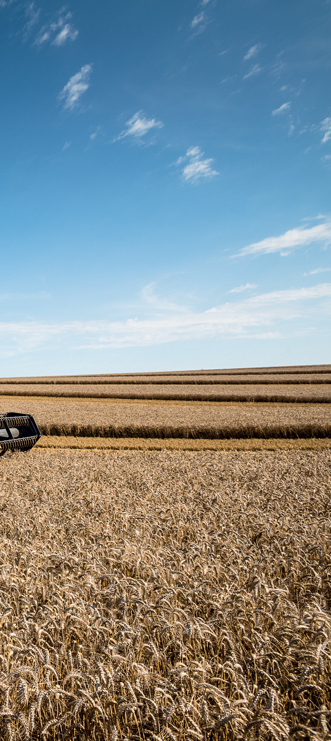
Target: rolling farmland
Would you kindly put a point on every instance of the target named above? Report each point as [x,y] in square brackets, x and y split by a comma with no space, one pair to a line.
[165,558]
[260,403]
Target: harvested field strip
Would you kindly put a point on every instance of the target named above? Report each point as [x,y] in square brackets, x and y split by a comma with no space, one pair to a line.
[95,419]
[101,443]
[318,393]
[165,596]
[274,379]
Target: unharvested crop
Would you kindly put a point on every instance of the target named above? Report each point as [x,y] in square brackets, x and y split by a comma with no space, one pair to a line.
[318,393]
[88,418]
[165,596]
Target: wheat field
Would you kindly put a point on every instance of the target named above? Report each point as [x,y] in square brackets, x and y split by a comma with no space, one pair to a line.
[96,419]
[156,596]
[304,392]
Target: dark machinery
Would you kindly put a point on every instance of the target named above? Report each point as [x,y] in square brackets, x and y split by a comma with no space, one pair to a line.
[17,432]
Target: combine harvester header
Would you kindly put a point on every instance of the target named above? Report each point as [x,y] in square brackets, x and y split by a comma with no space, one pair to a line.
[18,432]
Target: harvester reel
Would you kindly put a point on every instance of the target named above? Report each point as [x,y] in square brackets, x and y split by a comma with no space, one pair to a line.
[18,432]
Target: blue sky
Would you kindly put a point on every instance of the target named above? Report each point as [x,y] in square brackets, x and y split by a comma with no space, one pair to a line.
[165,184]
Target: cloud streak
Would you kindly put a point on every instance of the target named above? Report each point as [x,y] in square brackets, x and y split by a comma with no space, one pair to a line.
[196,167]
[282,109]
[326,129]
[255,70]
[253,52]
[76,87]
[317,271]
[261,317]
[291,240]
[58,32]
[138,126]
[241,289]
[198,19]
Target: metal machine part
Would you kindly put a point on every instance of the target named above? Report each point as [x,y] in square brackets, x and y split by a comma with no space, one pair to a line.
[18,432]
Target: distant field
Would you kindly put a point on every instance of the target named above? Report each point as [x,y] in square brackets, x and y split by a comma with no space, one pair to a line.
[185,421]
[215,392]
[165,596]
[255,403]
[178,380]
[121,377]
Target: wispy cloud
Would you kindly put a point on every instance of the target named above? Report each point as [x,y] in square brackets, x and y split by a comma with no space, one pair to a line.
[282,109]
[291,240]
[159,304]
[198,19]
[138,126]
[76,87]
[32,14]
[317,271]
[253,52]
[58,32]
[24,296]
[245,287]
[262,317]
[95,133]
[326,129]
[255,70]
[195,167]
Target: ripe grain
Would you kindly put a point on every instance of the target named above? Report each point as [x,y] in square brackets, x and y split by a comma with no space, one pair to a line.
[165,595]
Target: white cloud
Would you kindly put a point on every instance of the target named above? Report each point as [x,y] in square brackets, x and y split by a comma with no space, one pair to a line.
[255,70]
[317,271]
[282,109]
[32,14]
[158,304]
[291,240]
[67,33]
[241,289]
[204,2]
[95,133]
[195,167]
[77,85]
[326,128]
[58,32]
[260,317]
[138,126]
[253,52]
[198,19]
